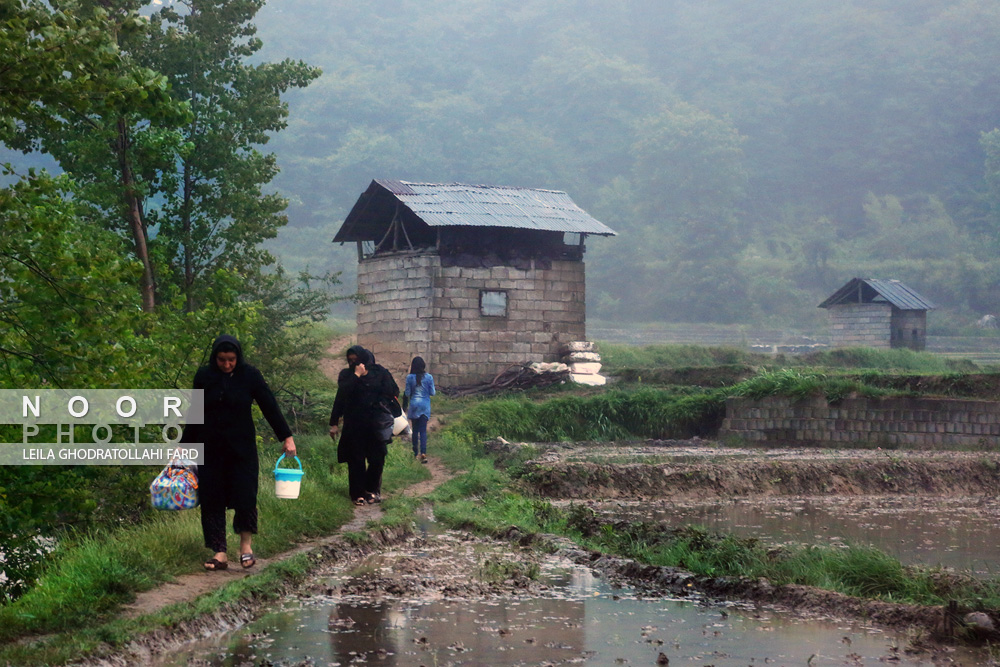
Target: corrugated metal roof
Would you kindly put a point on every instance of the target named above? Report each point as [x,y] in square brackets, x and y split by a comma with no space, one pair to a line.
[460,205]
[892,291]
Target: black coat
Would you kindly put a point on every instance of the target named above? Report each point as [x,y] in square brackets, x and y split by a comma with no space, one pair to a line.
[358,402]
[231,468]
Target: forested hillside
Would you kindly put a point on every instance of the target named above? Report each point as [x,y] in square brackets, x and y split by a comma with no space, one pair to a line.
[753,155]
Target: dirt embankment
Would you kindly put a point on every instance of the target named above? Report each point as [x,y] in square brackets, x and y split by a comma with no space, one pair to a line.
[692,473]
[968,385]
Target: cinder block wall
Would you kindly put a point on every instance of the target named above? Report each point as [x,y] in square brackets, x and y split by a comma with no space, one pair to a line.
[906,322]
[861,324]
[415,306]
[912,423]
[394,321]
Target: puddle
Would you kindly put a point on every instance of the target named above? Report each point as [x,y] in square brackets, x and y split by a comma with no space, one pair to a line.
[599,631]
[956,533]
[429,602]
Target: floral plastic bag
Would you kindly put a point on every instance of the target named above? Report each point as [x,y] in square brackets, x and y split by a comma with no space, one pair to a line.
[176,487]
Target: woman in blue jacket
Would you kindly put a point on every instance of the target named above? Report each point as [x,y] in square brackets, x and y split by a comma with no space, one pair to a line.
[419,389]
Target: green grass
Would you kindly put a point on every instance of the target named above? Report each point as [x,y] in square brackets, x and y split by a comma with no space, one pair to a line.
[618,357]
[897,360]
[803,384]
[610,415]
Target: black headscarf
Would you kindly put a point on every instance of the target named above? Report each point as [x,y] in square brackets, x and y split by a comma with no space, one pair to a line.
[223,341]
[364,356]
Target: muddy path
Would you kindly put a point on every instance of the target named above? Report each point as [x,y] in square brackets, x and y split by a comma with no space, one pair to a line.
[333,361]
[698,470]
[322,552]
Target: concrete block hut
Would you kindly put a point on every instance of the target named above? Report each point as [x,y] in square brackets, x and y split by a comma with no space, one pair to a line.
[473,278]
[867,312]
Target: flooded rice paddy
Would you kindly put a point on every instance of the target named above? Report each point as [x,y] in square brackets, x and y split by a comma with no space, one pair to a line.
[448,598]
[962,533]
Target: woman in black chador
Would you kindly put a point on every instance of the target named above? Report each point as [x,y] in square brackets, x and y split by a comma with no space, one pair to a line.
[227,478]
[362,389]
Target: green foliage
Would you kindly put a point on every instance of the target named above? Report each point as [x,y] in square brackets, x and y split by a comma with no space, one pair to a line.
[213,212]
[617,356]
[735,151]
[57,63]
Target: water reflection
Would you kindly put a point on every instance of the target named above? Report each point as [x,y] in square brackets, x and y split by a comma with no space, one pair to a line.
[958,533]
[412,606]
[586,622]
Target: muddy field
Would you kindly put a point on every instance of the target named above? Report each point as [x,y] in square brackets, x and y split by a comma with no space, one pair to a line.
[449,598]
[694,470]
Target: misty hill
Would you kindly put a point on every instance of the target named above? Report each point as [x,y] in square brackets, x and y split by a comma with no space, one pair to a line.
[752,155]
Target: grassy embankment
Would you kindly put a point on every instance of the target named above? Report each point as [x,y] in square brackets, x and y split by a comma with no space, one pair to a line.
[618,358]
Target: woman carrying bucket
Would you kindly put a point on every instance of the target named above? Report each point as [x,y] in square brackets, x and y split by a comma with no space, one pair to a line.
[364,389]
[227,478]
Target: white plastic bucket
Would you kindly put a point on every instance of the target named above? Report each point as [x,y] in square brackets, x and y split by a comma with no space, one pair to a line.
[287,481]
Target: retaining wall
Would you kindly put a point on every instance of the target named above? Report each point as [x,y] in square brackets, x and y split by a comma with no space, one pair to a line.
[912,423]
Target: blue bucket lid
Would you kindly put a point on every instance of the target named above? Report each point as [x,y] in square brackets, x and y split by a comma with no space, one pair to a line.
[288,474]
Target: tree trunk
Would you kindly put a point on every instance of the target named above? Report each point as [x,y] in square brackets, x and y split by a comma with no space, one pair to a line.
[136,224]
[188,258]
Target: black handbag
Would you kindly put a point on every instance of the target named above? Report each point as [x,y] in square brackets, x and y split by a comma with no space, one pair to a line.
[383,423]
[385,418]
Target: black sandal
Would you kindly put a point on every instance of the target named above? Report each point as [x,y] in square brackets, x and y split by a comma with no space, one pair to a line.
[359,501]
[373,498]
[213,564]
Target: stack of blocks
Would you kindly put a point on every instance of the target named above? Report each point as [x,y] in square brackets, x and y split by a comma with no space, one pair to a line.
[584,363]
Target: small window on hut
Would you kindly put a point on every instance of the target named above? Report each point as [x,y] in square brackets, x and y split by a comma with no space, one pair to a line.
[492,303]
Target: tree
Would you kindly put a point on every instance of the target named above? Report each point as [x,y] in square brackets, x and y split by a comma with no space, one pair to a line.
[214,212]
[110,116]
[61,272]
